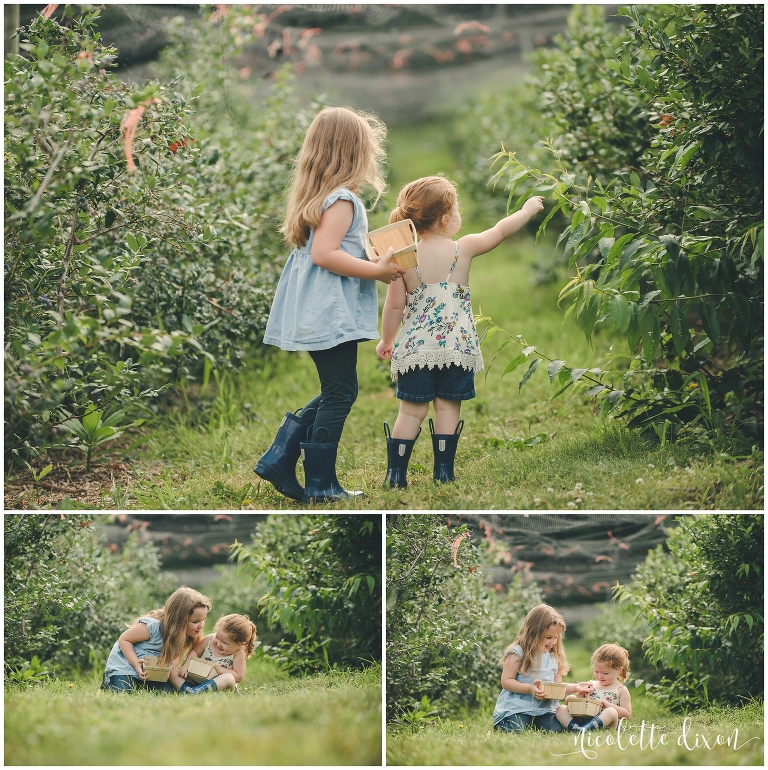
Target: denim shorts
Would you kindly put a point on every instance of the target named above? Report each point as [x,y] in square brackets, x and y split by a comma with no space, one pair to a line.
[452,383]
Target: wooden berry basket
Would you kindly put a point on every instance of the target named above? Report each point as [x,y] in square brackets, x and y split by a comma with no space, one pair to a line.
[202,670]
[401,236]
[584,707]
[154,672]
[553,690]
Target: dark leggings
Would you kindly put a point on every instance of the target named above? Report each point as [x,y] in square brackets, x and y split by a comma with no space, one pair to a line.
[337,369]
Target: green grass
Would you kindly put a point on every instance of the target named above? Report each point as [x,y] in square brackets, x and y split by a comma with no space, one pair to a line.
[332,719]
[470,740]
[584,463]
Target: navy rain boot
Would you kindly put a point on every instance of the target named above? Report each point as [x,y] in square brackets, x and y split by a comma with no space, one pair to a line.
[278,464]
[444,446]
[398,456]
[320,482]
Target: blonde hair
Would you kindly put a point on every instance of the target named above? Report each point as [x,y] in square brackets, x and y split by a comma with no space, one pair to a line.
[174,617]
[342,148]
[241,629]
[614,656]
[531,634]
[425,202]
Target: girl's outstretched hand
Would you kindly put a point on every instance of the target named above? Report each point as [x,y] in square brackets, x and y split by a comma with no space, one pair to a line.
[384,350]
[388,271]
[534,205]
[583,687]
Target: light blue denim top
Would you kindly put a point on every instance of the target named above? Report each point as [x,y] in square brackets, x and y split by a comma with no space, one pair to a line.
[315,309]
[509,703]
[117,665]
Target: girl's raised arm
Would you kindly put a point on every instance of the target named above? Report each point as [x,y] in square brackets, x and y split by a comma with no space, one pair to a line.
[481,243]
[327,253]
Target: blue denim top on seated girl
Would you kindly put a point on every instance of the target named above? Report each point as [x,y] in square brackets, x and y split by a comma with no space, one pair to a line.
[315,309]
[118,665]
[509,703]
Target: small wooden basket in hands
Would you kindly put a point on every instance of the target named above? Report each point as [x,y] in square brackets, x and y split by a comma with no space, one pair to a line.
[154,672]
[553,690]
[202,670]
[401,236]
[584,707]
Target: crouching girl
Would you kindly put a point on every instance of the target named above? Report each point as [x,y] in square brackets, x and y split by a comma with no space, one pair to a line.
[231,643]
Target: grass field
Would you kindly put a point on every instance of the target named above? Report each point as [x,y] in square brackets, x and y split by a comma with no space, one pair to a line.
[582,462]
[332,719]
[470,740]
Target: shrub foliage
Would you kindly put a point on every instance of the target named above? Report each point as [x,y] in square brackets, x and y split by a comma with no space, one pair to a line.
[659,156]
[702,601]
[121,281]
[446,627]
[323,588]
[67,596]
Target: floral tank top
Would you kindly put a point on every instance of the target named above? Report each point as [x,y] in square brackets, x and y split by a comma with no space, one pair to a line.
[211,657]
[438,328]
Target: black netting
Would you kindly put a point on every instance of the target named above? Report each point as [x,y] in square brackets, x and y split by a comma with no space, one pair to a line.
[575,558]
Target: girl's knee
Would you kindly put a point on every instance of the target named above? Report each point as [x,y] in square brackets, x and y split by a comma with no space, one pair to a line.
[414,409]
[225,682]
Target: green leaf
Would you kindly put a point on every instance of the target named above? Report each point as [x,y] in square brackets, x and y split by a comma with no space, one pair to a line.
[581,230]
[197,90]
[620,311]
[554,368]
[710,322]
[513,364]
[561,391]
[133,244]
[577,374]
[651,335]
[634,327]
[371,583]
[684,155]
[527,376]
[678,324]
[705,391]
[589,315]
[618,245]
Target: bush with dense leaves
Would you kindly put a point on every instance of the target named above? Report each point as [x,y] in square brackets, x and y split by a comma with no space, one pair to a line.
[323,588]
[659,153]
[119,283]
[446,627]
[67,596]
[702,601]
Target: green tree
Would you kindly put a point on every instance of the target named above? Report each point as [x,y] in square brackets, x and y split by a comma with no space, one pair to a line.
[323,578]
[446,627]
[702,601]
[669,250]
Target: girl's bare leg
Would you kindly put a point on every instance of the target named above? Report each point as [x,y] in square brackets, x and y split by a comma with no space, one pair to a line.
[409,419]
[563,716]
[446,415]
[609,716]
[225,682]
[175,679]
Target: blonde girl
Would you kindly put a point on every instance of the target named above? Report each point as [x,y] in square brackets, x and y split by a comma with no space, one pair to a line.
[232,642]
[611,667]
[436,352]
[536,656]
[326,300]
[166,633]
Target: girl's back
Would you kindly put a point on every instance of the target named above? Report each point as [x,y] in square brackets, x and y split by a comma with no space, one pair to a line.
[435,260]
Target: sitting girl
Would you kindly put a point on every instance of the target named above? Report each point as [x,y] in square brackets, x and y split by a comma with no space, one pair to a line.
[436,351]
[166,633]
[231,643]
[611,664]
[536,655]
